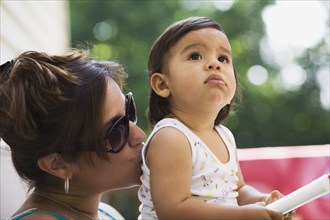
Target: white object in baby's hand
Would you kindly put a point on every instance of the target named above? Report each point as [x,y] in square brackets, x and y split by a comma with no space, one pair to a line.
[303,195]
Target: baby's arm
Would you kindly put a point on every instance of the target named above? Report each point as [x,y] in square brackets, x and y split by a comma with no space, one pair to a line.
[169,160]
[248,195]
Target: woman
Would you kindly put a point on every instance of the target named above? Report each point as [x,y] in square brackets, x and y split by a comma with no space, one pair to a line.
[71,131]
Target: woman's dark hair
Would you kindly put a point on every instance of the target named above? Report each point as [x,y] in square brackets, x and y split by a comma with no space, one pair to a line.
[53,104]
[159,107]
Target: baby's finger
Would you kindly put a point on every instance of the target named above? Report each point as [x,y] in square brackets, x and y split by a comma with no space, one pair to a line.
[261,203]
[289,215]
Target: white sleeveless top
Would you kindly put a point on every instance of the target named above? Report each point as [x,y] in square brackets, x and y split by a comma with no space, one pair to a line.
[212,181]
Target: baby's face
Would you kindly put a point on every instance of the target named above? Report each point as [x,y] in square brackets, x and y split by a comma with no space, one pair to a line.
[200,72]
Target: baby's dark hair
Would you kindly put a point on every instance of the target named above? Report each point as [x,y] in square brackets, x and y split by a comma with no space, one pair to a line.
[159,107]
[53,104]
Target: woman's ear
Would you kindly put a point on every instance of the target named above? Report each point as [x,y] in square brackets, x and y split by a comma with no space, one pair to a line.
[55,165]
[159,84]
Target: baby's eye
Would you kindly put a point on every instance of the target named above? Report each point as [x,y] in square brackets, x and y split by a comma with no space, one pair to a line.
[223,59]
[195,56]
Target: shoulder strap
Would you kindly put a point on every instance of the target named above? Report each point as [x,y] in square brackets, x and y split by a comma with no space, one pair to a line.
[35,210]
[228,134]
[107,213]
[171,122]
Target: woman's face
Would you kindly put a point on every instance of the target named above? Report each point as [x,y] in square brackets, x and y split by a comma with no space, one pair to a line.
[122,169]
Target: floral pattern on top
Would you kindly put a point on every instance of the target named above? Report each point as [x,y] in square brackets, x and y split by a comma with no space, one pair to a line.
[212,181]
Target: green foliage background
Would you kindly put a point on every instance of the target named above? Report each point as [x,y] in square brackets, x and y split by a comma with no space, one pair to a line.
[267,116]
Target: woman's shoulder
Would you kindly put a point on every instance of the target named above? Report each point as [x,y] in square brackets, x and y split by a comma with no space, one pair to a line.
[37,214]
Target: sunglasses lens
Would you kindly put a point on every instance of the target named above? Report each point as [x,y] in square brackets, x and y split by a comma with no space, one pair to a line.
[117,136]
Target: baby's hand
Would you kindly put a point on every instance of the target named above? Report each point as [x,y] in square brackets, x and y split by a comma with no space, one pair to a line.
[273,196]
[289,215]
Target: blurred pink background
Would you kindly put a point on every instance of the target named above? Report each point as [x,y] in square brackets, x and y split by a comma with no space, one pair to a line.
[287,169]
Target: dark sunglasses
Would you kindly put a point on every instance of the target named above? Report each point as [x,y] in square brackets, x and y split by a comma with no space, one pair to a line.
[116,136]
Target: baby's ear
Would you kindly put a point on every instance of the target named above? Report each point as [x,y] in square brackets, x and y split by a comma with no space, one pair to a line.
[158,83]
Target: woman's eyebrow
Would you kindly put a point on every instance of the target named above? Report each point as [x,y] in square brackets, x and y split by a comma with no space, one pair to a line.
[111,121]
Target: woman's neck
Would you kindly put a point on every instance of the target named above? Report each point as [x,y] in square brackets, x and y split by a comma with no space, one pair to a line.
[84,205]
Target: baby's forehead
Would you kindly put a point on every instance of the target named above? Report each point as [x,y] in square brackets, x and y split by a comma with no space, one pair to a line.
[202,32]
[202,38]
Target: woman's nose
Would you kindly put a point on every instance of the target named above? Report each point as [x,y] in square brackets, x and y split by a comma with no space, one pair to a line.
[136,136]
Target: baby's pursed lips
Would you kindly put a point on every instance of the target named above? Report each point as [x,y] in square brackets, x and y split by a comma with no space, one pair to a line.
[214,77]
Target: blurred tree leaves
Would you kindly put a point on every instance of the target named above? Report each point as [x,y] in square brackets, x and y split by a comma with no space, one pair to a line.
[124,30]
[268,116]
